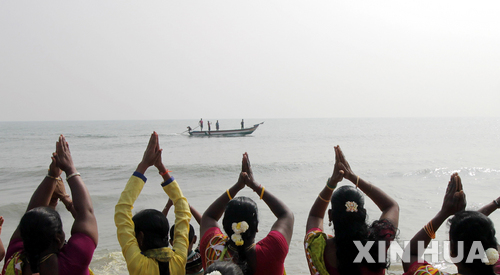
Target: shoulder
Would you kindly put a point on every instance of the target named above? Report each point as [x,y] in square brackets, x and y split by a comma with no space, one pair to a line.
[78,251]
[273,246]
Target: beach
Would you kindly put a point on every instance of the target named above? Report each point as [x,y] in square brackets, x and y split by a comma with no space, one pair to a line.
[411,159]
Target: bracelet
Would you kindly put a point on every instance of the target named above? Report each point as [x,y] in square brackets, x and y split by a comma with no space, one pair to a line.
[72,175]
[262,192]
[429,230]
[328,185]
[327,201]
[55,178]
[229,195]
[164,173]
[357,183]
[496,203]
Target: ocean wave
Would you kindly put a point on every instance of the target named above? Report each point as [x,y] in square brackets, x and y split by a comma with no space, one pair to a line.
[446,171]
[109,263]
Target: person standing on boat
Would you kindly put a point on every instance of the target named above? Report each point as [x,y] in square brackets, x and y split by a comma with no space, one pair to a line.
[217,125]
[201,124]
[208,123]
[242,124]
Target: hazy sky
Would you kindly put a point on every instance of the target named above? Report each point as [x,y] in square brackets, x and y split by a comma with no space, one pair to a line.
[108,60]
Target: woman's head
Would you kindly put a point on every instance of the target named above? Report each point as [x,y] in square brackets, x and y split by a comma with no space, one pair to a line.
[238,210]
[42,233]
[348,212]
[223,268]
[467,228]
[348,215]
[151,229]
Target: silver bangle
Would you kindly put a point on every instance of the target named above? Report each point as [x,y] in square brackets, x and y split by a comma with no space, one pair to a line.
[72,175]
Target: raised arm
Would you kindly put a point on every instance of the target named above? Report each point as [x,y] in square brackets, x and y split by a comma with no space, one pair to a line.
[43,194]
[318,210]
[196,215]
[182,214]
[454,201]
[214,212]
[2,248]
[490,207]
[85,221]
[125,229]
[386,204]
[216,209]
[285,218]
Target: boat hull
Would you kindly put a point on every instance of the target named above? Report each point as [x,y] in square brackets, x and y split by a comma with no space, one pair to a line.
[235,132]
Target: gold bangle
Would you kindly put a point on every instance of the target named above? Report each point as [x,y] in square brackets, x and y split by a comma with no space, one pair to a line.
[357,183]
[262,192]
[429,230]
[327,201]
[55,178]
[229,195]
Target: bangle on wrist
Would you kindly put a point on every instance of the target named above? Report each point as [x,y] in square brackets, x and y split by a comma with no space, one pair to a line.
[496,203]
[164,173]
[72,175]
[262,192]
[52,177]
[328,184]
[228,194]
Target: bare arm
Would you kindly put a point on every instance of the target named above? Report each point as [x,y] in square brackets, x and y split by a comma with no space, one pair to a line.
[317,212]
[454,201]
[216,209]
[85,221]
[43,194]
[490,207]
[386,204]
[285,218]
[194,212]
[2,248]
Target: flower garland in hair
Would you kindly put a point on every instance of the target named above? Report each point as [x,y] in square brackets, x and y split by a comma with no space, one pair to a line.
[215,272]
[238,229]
[491,256]
[351,206]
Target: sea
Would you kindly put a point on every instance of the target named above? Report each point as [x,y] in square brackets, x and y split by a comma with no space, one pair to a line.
[411,159]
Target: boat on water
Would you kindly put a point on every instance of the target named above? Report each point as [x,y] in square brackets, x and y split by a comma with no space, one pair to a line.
[234,132]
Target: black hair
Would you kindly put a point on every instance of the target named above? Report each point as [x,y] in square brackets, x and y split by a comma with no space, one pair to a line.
[191,232]
[225,268]
[237,210]
[39,228]
[469,227]
[351,226]
[154,225]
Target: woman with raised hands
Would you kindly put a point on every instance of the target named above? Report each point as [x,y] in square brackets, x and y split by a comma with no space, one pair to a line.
[336,255]
[38,244]
[240,223]
[470,232]
[144,236]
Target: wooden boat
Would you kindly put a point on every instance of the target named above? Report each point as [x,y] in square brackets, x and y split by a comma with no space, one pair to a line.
[235,132]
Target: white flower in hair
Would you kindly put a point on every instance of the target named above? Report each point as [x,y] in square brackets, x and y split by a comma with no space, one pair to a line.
[238,229]
[215,272]
[491,256]
[351,206]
